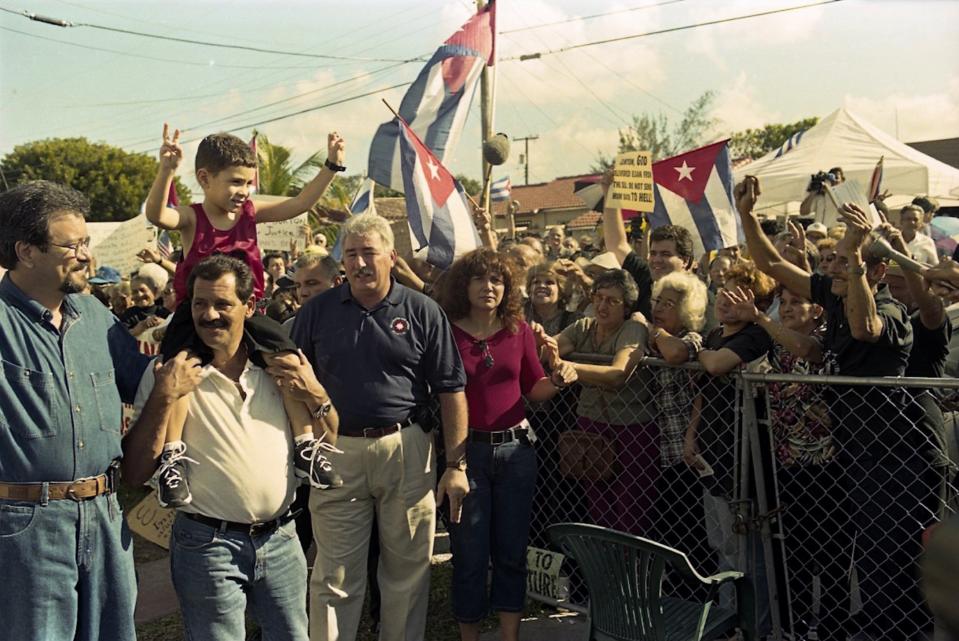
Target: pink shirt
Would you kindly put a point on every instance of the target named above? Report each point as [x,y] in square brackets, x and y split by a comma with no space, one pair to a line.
[238,241]
[495,394]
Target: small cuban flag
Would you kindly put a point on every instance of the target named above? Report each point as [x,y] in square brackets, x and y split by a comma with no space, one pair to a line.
[695,190]
[362,204]
[500,190]
[439,214]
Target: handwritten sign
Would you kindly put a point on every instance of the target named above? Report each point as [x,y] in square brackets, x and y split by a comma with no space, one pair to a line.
[542,574]
[276,236]
[152,522]
[632,186]
[849,191]
[117,244]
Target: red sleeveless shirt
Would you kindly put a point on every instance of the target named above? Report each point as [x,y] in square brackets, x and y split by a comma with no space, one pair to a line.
[238,241]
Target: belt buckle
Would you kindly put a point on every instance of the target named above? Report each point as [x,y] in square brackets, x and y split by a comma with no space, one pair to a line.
[72,494]
[256,529]
[497,438]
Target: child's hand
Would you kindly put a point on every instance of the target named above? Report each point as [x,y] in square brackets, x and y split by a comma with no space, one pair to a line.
[336,149]
[171,153]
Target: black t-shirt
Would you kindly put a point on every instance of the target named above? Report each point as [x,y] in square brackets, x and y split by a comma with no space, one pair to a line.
[717,425]
[639,270]
[929,349]
[134,315]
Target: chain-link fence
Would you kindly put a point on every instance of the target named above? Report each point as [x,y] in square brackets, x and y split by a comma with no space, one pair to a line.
[820,488]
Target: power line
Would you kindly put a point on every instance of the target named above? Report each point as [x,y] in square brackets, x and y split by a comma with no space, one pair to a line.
[146,57]
[57,22]
[595,15]
[533,56]
[300,112]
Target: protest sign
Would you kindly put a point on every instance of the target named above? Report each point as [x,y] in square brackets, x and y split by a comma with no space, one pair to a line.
[632,186]
[116,244]
[151,521]
[542,574]
[849,191]
[402,241]
[276,236]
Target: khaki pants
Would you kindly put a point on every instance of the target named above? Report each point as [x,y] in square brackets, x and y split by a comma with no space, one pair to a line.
[394,476]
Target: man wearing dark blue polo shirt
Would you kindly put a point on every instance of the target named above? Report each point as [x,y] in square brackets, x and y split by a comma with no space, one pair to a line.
[65,552]
[381,350]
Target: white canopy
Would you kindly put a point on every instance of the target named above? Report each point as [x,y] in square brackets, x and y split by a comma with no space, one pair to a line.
[846,140]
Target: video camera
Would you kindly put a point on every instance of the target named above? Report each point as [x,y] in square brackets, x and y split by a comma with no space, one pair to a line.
[816,181]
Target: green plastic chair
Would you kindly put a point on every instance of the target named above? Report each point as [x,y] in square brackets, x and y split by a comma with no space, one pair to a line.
[624,575]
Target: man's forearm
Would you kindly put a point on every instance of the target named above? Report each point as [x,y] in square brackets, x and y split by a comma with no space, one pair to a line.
[143,444]
[454,414]
[864,321]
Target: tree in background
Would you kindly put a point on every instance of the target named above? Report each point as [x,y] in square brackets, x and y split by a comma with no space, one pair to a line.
[115,180]
[277,175]
[653,133]
[754,143]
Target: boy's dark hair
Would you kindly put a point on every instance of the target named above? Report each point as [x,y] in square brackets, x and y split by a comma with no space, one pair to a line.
[677,234]
[220,151]
[26,212]
[217,265]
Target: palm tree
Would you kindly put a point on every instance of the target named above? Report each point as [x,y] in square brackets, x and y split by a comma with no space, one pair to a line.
[278,177]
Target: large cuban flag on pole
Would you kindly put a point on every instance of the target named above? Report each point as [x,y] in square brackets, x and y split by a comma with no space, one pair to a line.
[436,205]
[695,190]
[437,103]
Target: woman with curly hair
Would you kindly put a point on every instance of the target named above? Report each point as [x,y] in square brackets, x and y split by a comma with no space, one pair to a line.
[502,366]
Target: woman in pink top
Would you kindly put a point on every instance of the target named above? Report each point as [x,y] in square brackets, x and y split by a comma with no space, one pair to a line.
[502,366]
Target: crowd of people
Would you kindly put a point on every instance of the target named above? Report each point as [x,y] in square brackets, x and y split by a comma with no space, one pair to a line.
[294,402]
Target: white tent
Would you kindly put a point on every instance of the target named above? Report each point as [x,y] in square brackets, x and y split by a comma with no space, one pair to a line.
[846,140]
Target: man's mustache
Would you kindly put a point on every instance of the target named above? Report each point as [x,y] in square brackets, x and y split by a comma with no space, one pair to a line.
[215,324]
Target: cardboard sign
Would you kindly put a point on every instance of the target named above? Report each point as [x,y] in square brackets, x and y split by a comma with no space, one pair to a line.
[116,244]
[152,522]
[276,236]
[632,186]
[542,574]
[849,191]
[402,239]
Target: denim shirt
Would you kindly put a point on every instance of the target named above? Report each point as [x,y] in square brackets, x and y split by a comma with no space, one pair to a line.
[60,389]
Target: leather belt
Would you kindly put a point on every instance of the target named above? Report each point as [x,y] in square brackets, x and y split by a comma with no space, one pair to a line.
[378,432]
[498,438]
[253,529]
[79,490]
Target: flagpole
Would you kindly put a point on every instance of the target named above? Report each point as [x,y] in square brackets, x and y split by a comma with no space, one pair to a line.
[486,118]
[395,113]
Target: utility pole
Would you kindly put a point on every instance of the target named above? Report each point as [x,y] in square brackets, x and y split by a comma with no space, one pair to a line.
[486,121]
[526,140]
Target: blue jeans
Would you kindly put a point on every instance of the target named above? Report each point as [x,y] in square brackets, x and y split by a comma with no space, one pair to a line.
[66,571]
[495,524]
[215,573]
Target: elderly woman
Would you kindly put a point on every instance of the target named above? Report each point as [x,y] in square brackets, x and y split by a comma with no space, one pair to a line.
[502,366]
[147,311]
[620,484]
[807,469]
[680,300]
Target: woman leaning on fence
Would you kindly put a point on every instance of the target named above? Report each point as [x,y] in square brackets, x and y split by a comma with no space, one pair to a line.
[501,360]
[808,471]
[679,301]
[615,451]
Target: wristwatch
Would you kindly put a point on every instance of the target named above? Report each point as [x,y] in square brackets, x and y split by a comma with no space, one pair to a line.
[323,409]
[458,464]
[856,270]
[332,166]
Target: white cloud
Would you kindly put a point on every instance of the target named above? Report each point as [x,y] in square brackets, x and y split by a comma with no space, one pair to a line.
[920,117]
[737,107]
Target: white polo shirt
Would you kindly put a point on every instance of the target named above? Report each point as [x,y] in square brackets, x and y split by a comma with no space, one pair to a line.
[243,447]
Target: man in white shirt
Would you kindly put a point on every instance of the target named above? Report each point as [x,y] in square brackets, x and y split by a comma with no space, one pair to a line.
[919,245]
[235,544]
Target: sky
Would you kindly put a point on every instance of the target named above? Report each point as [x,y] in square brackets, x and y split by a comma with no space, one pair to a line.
[894,62]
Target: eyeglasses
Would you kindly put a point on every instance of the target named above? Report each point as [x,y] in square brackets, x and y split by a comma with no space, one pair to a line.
[666,303]
[75,247]
[487,354]
[609,300]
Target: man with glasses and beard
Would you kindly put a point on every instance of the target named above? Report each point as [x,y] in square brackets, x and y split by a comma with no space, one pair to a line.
[64,547]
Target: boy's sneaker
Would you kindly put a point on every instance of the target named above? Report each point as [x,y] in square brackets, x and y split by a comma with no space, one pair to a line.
[172,487]
[310,462]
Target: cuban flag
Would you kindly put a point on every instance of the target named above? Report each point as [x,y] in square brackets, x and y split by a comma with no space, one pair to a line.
[695,190]
[500,190]
[362,204]
[875,181]
[439,215]
[437,103]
